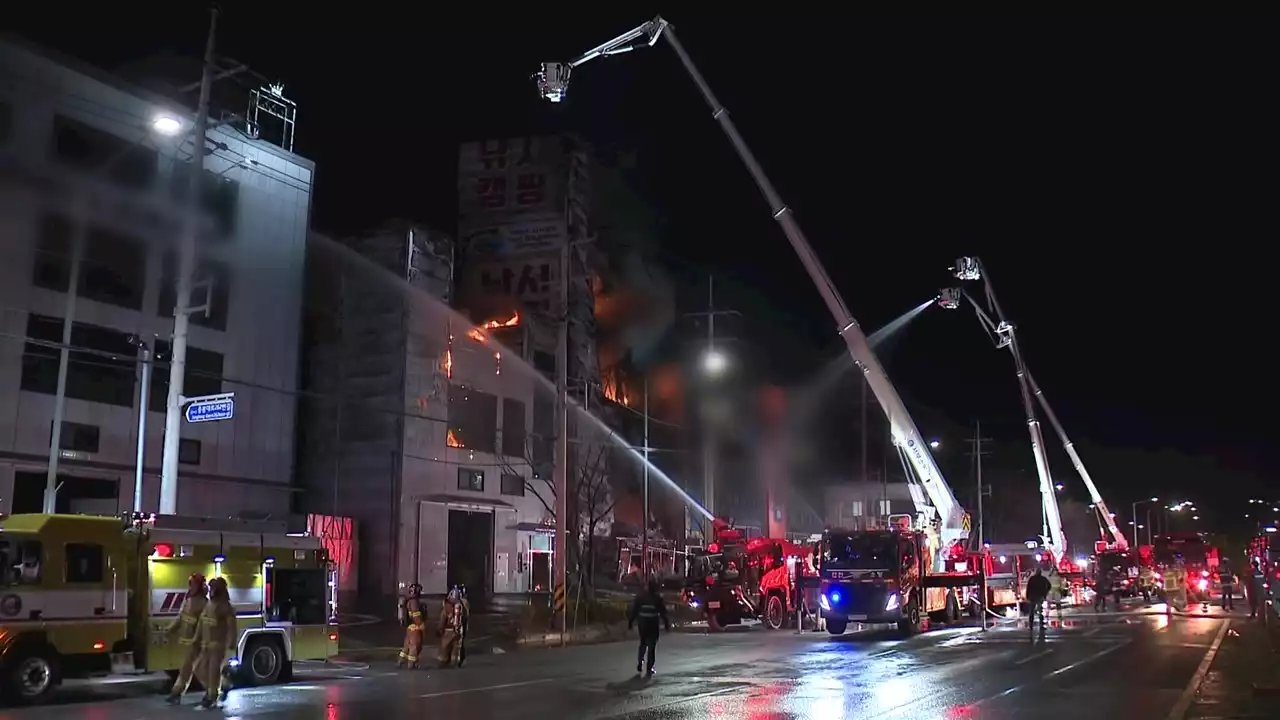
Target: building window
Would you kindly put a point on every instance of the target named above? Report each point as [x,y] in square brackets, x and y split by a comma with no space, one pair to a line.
[513,485]
[189,451]
[77,437]
[886,507]
[216,293]
[87,148]
[84,563]
[469,479]
[51,269]
[101,363]
[513,430]
[544,362]
[203,375]
[473,419]
[113,266]
[6,121]
[219,197]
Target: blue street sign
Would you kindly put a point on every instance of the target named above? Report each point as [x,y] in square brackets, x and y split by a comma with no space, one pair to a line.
[211,410]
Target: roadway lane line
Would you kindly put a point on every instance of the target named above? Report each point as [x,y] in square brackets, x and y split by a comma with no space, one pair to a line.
[1089,659]
[1181,707]
[487,688]
[1059,671]
[1029,658]
[669,703]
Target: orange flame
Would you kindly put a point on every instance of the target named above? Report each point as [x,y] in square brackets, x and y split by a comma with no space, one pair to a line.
[477,333]
[452,440]
[446,362]
[512,321]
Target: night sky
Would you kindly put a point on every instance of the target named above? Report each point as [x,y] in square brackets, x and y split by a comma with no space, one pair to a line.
[1112,174]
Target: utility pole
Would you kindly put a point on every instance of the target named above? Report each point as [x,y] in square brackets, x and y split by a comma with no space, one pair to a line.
[709,440]
[644,532]
[862,426]
[78,232]
[144,402]
[708,447]
[976,452]
[184,284]
[561,556]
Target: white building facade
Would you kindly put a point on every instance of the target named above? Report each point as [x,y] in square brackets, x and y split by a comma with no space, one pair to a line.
[414,427]
[472,510]
[81,166]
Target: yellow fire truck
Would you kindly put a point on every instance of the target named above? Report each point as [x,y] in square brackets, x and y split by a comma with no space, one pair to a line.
[84,596]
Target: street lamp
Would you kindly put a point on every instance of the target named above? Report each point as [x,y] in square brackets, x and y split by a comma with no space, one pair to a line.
[715,362]
[166,124]
[1135,517]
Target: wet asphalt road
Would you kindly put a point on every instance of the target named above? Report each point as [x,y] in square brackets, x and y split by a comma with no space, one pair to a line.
[1130,667]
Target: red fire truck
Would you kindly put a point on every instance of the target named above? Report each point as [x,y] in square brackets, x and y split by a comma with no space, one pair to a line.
[735,579]
[1190,552]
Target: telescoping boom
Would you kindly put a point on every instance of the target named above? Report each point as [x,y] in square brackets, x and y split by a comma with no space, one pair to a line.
[553,80]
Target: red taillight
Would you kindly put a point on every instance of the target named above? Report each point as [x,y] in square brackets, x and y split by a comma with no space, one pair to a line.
[713,548]
[99,645]
[333,637]
[163,550]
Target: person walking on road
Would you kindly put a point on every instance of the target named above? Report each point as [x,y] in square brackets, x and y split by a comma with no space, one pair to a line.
[1101,589]
[455,613]
[1038,588]
[647,610]
[1228,577]
[1253,590]
[410,612]
[186,630]
[217,636]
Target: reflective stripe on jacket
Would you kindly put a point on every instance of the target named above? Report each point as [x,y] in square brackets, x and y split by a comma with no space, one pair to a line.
[187,625]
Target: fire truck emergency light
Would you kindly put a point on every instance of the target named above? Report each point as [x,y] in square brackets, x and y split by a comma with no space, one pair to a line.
[162,550]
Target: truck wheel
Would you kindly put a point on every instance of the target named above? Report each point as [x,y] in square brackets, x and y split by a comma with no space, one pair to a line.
[775,613]
[952,613]
[836,627]
[910,623]
[263,661]
[713,622]
[32,677]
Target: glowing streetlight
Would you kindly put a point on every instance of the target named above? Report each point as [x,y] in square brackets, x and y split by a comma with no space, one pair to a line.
[166,124]
[714,362]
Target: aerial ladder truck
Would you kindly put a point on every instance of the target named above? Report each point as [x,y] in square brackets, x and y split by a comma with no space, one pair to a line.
[901,591]
[1003,334]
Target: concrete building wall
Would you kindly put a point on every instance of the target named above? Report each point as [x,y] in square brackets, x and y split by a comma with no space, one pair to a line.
[257,242]
[385,355]
[863,505]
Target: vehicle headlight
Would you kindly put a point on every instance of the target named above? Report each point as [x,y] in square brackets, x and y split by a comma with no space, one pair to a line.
[892,603]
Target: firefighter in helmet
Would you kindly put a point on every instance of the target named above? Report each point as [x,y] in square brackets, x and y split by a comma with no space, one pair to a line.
[217,640]
[410,616]
[186,630]
[455,612]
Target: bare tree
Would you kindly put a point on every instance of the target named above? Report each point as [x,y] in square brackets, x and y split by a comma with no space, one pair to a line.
[593,496]
[537,481]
